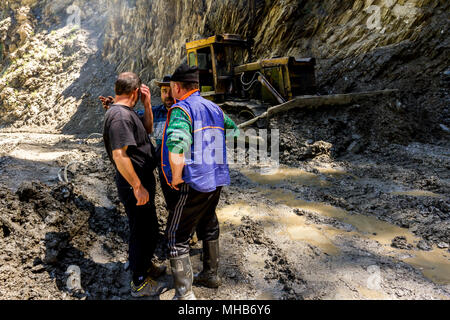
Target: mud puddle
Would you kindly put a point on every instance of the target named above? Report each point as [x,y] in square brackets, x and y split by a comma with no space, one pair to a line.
[270,176]
[417,193]
[434,264]
[283,221]
[37,153]
[333,172]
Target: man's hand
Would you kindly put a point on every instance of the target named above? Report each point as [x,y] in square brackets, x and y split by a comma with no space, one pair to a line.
[126,169]
[141,195]
[106,102]
[176,165]
[146,97]
[176,181]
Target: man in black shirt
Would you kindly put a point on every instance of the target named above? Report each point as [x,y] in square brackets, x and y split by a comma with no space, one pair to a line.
[129,148]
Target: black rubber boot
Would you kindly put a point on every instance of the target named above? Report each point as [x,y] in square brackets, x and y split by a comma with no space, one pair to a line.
[182,277]
[209,276]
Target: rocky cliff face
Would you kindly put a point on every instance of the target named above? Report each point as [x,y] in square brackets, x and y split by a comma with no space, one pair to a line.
[155,31]
[359,45]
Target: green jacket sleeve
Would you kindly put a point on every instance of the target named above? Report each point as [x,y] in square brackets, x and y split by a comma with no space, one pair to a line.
[231,128]
[179,136]
[179,131]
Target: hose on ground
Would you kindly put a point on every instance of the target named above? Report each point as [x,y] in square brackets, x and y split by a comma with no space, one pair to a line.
[65,178]
[93,134]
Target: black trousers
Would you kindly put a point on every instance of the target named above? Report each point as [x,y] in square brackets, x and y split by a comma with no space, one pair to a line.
[191,211]
[143,223]
[170,195]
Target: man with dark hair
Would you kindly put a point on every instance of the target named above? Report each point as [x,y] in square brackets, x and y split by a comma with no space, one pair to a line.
[160,111]
[129,148]
[159,121]
[194,163]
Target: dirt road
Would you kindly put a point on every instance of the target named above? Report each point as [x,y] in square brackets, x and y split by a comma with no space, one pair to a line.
[349,228]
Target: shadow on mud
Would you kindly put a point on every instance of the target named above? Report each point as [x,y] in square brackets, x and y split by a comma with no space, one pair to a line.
[110,281]
[99,281]
[97,246]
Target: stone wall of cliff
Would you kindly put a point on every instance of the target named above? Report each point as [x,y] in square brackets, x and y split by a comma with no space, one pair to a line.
[56,57]
[150,36]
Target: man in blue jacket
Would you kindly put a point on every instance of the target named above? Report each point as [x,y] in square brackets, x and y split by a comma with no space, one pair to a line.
[194,163]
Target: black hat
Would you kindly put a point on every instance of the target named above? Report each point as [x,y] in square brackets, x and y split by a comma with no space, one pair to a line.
[165,82]
[184,73]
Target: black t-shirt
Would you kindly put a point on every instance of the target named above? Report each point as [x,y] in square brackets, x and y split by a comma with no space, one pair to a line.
[123,127]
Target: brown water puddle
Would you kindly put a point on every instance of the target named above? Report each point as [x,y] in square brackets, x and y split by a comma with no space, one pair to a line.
[435,264]
[338,173]
[293,226]
[279,175]
[267,295]
[294,175]
[417,193]
[378,230]
[372,294]
[233,213]
[321,238]
[35,153]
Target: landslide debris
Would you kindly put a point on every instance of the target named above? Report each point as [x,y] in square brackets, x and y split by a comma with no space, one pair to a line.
[44,231]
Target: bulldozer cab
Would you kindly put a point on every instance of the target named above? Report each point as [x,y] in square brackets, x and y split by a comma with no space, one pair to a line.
[224,73]
[216,57]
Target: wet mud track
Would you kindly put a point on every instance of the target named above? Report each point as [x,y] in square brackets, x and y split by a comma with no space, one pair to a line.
[357,227]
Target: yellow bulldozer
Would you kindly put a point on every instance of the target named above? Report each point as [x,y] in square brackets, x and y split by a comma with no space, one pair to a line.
[279,83]
[223,74]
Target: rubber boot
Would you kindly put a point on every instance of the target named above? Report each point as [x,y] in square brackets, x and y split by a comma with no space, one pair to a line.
[209,276]
[182,277]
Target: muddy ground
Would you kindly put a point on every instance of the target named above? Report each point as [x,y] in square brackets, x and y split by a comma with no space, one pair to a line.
[337,225]
[358,210]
